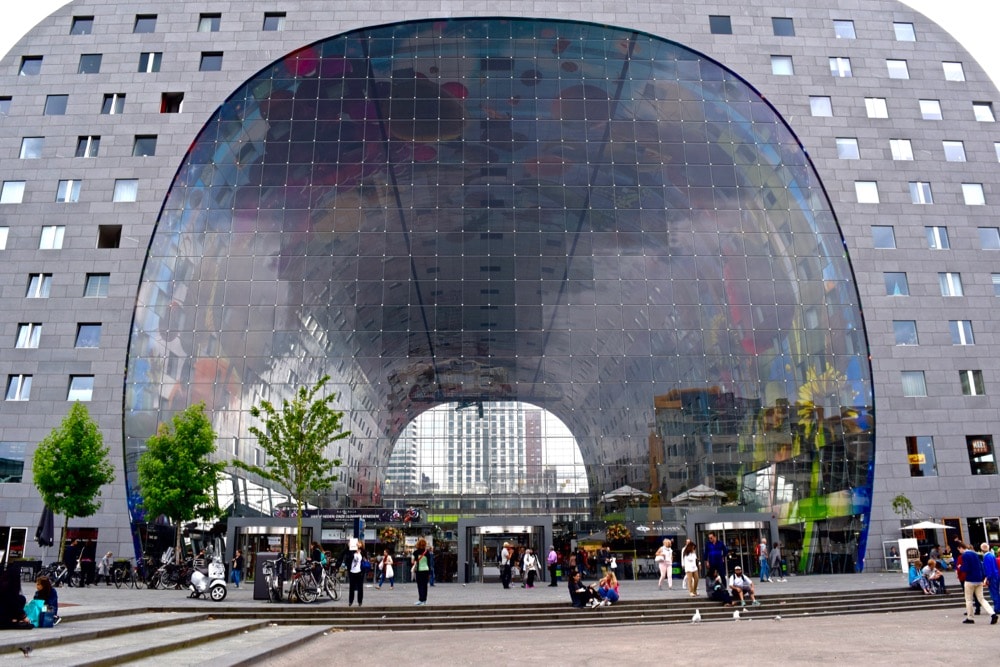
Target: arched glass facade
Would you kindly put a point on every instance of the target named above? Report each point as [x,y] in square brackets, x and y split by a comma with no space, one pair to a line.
[595,221]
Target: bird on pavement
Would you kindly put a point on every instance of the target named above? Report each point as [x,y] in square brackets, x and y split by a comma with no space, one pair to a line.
[697,616]
[736,615]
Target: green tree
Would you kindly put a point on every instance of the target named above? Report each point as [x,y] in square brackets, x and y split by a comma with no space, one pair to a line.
[295,441]
[70,467]
[177,476]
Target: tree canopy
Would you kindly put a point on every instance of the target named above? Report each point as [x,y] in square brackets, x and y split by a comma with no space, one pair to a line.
[71,465]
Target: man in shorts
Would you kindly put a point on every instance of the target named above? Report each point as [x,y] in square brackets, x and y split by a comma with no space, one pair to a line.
[741,587]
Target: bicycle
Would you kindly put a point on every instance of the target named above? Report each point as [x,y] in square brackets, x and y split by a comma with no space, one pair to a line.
[304,587]
[274,574]
[331,582]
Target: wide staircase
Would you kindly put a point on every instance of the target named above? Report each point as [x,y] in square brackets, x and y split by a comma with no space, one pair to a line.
[245,635]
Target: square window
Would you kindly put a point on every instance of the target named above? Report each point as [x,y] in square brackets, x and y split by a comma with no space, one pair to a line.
[954,151]
[951,283]
[109,236]
[866,191]
[847,148]
[39,285]
[82,25]
[913,384]
[114,103]
[51,237]
[920,454]
[904,32]
[88,335]
[30,66]
[841,67]
[68,191]
[274,21]
[211,61]
[876,107]
[896,284]
[28,335]
[883,237]
[920,193]
[90,63]
[782,65]
[144,23]
[209,22]
[144,145]
[171,102]
[5,105]
[961,332]
[937,238]
[783,26]
[18,387]
[981,457]
[995,277]
[973,194]
[88,146]
[953,71]
[12,192]
[972,383]
[55,105]
[901,149]
[81,388]
[97,285]
[897,69]
[930,110]
[149,61]
[820,105]
[31,148]
[844,29]
[126,190]
[989,238]
[905,332]
[983,112]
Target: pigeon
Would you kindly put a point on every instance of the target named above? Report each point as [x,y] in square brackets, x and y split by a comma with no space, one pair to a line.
[736,615]
[777,618]
[697,616]
[26,650]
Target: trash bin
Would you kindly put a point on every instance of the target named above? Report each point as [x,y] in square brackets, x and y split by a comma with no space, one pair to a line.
[259,580]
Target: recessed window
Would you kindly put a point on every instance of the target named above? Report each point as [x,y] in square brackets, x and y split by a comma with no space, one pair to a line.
[954,151]
[783,26]
[209,22]
[144,23]
[996,149]
[149,61]
[171,102]
[883,237]
[82,25]
[39,285]
[821,105]
[12,192]
[961,332]
[18,387]
[901,149]
[866,191]
[97,285]
[31,148]
[782,65]
[4,232]
[981,457]
[989,238]
[274,21]
[114,103]
[81,388]
[5,105]
[905,332]
[90,63]
[51,237]
[914,385]
[126,190]
[109,236]
[920,193]
[875,107]
[920,455]
[972,383]
[841,67]
[30,66]
[28,335]
[88,335]
[995,277]
[68,191]
[937,238]
[896,283]
[847,148]
[930,110]
[897,69]
[55,105]
[951,283]
[88,146]
[953,71]
[844,29]
[144,145]
[973,194]
[904,32]
[983,112]
[211,61]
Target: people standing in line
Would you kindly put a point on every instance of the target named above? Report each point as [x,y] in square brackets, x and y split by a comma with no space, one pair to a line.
[690,561]
[237,568]
[552,560]
[765,563]
[715,555]
[71,557]
[972,566]
[664,558]
[385,571]
[530,565]
[421,570]
[104,569]
[776,565]
[505,564]
[356,575]
[992,573]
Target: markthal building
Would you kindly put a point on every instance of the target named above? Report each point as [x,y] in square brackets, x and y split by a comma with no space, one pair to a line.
[566,268]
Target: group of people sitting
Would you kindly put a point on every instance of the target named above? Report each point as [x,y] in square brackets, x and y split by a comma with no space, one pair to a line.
[16,612]
[603,594]
[738,587]
[929,578]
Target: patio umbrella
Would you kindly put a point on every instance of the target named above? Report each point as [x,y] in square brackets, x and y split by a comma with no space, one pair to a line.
[624,493]
[927,525]
[45,533]
[699,493]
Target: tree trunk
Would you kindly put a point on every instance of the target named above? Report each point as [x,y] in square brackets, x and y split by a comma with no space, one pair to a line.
[177,542]
[298,528]
[62,538]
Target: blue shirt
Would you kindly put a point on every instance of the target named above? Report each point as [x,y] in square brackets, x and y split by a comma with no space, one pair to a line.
[972,567]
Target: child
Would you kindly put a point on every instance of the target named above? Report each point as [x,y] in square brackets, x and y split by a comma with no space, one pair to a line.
[47,594]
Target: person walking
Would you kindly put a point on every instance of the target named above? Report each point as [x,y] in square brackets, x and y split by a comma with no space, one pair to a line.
[972,566]
[385,571]
[552,560]
[356,575]
[776,566]
[765,563]
[71,557]
[237,568]
[505,565]
[664,558]
[690,561]
[104,569]
[992,573]
[422,571]
[530,565]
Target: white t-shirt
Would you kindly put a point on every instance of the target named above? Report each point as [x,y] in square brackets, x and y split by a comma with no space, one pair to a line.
[739,580]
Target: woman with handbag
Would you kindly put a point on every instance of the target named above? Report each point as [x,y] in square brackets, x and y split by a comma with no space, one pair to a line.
[385,570]
[421,570]
[690,560]
[530,564]
[356,574]
[665,560]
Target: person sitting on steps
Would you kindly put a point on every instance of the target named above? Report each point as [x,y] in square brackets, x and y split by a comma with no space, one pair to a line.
[741,586]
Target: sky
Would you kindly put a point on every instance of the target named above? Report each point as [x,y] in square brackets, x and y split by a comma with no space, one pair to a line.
[972,22]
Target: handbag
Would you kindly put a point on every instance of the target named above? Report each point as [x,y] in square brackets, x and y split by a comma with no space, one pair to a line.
[33,611]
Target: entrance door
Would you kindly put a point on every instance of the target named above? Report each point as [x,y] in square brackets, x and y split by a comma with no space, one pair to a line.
[741,538]
[486,542]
